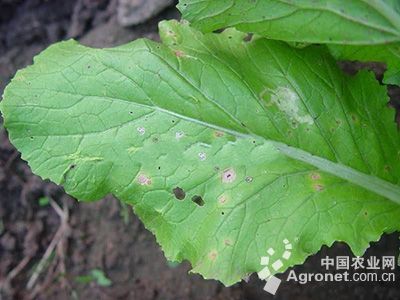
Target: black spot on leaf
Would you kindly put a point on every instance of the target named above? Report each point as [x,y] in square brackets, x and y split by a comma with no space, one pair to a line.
[179,193]
[198,200]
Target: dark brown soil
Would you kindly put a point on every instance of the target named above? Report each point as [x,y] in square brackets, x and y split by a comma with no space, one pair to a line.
[105,235]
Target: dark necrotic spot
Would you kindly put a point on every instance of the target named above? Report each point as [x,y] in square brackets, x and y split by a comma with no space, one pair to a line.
[198,200]
[179,193]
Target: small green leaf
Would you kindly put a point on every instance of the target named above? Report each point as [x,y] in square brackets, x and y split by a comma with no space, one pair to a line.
[44,201]
[389,54]
[95,275]
[224,147]
[84,279]
[325,21]
[100,278]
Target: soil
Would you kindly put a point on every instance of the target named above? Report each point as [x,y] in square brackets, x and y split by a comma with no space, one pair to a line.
[105,235]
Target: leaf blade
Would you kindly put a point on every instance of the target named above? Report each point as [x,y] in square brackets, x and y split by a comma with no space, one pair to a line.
[333,22]
[190,113]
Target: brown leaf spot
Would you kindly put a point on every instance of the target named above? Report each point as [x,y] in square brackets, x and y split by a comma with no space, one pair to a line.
[318,187]
[179,53]
[228,176]
[179,193]
[315,176]
[198,200]
[218,134]
[248,179]
[213,255]
[222,199]
[144,180]
[228,242]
